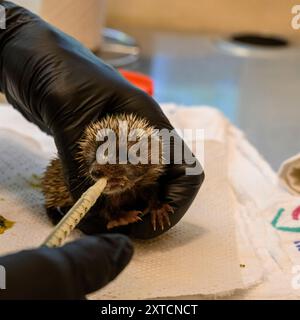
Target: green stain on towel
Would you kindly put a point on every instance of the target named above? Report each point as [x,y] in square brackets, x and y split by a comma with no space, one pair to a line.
[35,182]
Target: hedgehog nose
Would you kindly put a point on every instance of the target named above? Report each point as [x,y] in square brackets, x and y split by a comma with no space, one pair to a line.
[96,174]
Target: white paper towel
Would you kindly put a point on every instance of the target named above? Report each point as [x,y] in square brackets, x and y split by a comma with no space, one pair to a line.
[201,255]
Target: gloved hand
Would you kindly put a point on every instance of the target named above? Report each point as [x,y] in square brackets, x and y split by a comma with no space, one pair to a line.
[70,272]
[62,87]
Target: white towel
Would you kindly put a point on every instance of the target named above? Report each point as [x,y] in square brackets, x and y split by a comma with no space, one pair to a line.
[224,243]
[201,255]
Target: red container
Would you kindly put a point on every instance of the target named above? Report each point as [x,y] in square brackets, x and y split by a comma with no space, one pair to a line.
[139,80]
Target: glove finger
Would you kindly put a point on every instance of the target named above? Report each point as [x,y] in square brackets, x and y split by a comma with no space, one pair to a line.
[97,260]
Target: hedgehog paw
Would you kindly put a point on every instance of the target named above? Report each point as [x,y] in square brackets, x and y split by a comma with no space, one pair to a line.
[161,217]
[125,218]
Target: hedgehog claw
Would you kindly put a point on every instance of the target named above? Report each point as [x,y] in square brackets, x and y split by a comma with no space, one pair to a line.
[161,217]
[126,217]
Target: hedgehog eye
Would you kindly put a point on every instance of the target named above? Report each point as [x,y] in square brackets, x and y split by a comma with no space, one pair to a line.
[96,173]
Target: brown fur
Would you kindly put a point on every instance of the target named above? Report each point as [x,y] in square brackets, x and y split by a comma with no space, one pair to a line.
[54,187]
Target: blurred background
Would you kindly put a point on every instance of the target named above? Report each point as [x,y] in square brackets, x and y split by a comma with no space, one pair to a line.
[239,56]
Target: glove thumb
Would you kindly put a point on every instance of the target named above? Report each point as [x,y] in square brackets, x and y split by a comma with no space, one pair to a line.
[97,260]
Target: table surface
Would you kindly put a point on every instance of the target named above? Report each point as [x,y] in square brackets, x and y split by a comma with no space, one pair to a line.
[257,89]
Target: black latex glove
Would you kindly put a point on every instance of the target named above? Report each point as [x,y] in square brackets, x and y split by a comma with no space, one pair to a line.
[62,87]
[70,272]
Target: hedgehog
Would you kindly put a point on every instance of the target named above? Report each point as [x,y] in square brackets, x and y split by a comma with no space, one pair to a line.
[132,189]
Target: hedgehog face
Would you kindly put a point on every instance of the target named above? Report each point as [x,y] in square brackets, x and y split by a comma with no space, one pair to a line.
[100,156]
[123,177]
